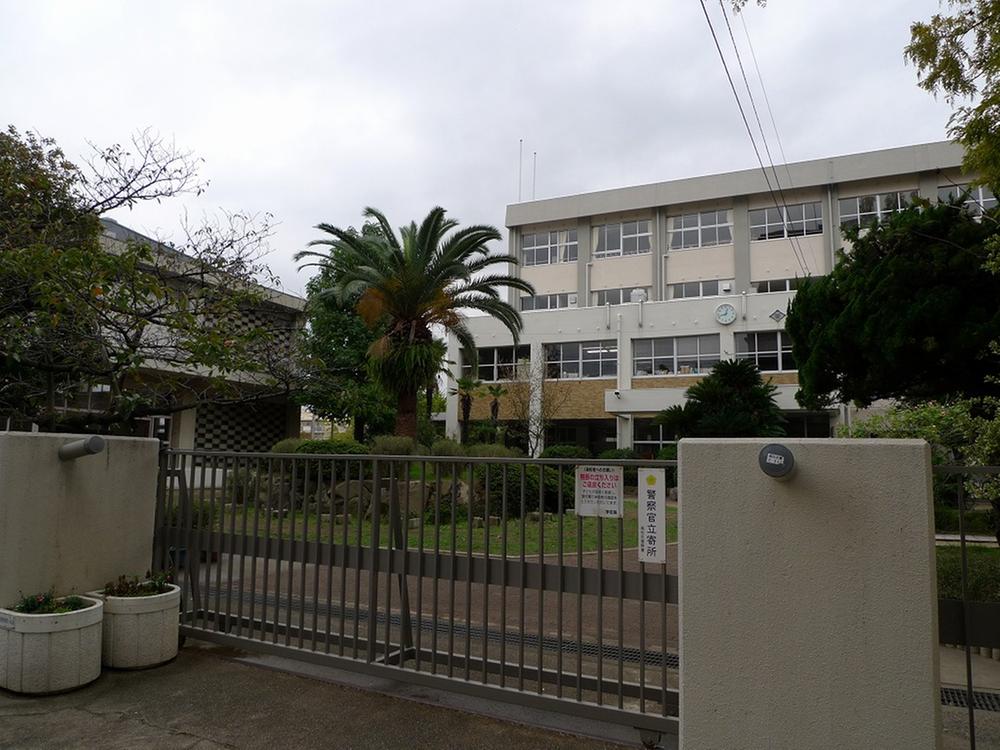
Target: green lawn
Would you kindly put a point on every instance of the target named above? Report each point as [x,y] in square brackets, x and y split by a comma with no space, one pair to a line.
[983,583]
[533,531]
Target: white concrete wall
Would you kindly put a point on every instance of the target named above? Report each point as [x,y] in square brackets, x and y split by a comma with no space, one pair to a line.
[808,614]
[73,525]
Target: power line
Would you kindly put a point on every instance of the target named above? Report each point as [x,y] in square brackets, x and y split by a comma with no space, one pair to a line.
[746,123]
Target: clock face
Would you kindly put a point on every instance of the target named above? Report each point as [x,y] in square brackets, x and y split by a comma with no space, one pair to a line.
[725,313]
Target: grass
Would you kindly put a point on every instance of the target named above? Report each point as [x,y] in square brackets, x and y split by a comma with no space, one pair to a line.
[983,583]
[535,532]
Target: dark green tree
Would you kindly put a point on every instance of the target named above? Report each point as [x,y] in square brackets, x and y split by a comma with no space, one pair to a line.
[731,401]
[909,313]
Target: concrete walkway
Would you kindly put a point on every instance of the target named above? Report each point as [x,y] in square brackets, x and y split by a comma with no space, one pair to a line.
[202,701]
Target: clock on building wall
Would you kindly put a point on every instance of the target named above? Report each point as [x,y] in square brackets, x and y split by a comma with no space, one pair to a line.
[725,313]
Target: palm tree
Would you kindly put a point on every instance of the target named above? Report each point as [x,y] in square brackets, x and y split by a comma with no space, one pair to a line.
[412,283]
[466,388]
[496,392]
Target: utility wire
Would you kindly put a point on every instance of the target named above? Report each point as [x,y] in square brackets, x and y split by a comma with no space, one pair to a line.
[746,123]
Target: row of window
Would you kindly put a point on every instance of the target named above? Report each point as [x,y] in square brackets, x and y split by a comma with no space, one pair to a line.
[621,296]
[771,351]
[546,301]
[685,290]
[709,228]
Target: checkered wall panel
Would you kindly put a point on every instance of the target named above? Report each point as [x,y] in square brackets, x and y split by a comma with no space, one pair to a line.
[239,427]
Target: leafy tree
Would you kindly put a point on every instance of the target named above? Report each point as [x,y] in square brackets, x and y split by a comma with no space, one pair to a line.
[909,313]
[466,388]
[731,401]
[957,54]
[135,318]
[495,392]
[407,285]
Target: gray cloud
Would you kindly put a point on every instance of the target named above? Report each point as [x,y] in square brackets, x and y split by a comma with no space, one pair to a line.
[311,111]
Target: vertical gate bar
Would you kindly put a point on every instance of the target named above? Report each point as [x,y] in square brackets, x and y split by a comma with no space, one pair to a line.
[642,637]
[541,573]
[282,508]
[269,506]
[243,542]
[522,589]
[468,580]
[159,556]
[303,556]
[579,605]
[420,560]
[343,563]
[600,610]
[329,554]
[254,547]
[179,463]
[208,535]
[663,638]
[503,575]
[390,547]
[222,533]
[487,509]
[373,569]
[357,560]
[406,633]
[292,494]
[318,555]
[452,572]
[965,614]
[193,554]
[621,608]
[560,510]
[232,544]
[437,566]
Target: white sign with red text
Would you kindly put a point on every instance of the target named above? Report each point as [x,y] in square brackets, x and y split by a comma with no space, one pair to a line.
[600,491]
[652,512]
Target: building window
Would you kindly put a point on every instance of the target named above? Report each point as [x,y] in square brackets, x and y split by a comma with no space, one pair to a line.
[678,355]
[777,285]
[621,296]
[543,248]
[976,199]
[712,288]
[545,301]
[770,350]
[702,229]
[787,221]
[646,433]
[496,362]
[865,210]
[582,359]
[626,238]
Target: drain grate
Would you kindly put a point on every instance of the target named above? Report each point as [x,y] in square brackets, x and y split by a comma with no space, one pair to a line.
[981,700]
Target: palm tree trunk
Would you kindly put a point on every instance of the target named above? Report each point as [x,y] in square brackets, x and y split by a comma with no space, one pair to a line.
[406,414]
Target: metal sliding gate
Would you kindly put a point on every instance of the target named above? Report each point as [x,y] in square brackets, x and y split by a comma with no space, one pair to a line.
[466,574]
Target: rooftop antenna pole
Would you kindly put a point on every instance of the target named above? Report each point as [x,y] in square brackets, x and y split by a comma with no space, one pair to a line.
[534,172]
[520,166]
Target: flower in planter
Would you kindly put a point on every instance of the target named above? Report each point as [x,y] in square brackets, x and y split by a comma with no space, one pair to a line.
[152,584]
[48,604]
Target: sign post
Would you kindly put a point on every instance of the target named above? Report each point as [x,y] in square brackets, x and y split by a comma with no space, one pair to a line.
[600,491]
[652,515]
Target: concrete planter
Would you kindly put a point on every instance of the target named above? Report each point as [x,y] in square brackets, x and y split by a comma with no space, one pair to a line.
[140,631]
[50,653]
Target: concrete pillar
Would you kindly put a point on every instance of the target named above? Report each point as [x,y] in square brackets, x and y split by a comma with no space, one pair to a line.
[928,185]
[833,240]
[741,244]
[808,607]
[583,256]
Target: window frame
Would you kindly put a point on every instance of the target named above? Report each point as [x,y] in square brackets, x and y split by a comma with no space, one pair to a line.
[607,359]
[980,197]
[558,249]
[697,228]
[621,295]
[495,363]
[880,212]
[671,288]
[783,349]
[784,210]
[562,301]
[791,285]
[702,367]
[603,232]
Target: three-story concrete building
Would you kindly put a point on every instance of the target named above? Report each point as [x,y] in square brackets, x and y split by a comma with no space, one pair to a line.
[641,290]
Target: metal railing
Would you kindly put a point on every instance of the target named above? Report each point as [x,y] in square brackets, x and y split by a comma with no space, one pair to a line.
[469,574]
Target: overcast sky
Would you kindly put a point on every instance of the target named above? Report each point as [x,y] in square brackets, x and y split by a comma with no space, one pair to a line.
[313,110]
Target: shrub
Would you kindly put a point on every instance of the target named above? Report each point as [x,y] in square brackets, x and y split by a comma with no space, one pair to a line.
[397,445]
[493,450]
[200,516]
[493,504]
[48,604]
[446,447]
[983,581]
[288,445]
[976,521]
[615,454]
[669,453]
[151,585]
[566,451]
[242,486]
[338,446]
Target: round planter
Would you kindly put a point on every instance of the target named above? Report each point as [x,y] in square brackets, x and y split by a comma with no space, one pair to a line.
[50,653]
[140,631]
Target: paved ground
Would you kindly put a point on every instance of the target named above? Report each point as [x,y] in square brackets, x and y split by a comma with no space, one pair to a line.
[202,701]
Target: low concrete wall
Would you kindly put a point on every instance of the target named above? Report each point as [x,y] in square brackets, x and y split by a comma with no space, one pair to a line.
[808,614]
[73,525]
